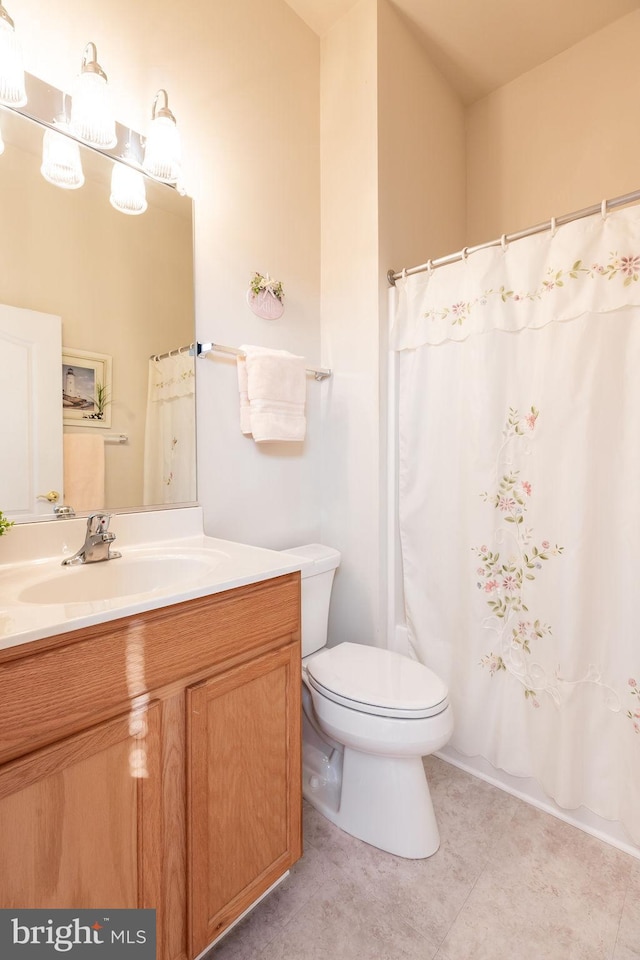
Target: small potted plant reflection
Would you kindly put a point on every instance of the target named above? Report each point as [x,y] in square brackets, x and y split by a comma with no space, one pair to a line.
[100,403]
[5,524]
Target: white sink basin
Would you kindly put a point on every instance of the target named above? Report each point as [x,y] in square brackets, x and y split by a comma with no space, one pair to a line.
[121,577]
[166,559]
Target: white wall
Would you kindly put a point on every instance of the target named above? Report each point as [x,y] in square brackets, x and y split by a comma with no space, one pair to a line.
[351,445]
[393,190]
[243,82]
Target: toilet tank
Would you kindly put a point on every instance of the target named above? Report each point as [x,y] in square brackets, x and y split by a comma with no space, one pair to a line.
[318,569]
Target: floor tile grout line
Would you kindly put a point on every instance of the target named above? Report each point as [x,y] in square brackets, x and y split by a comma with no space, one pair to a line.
[489,862]
[463,905]
[344,875]
[303,906]
[624,903]
[279,927]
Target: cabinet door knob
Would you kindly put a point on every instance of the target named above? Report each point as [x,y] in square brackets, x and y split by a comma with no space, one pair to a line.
[53,496]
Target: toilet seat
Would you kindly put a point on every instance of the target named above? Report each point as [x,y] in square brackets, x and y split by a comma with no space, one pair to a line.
[375,681]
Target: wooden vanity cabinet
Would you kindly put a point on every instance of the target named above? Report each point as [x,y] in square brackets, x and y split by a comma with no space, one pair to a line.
[155,761]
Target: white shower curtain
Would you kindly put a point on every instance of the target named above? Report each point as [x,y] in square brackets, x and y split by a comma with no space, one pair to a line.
[170,432]
[519,500]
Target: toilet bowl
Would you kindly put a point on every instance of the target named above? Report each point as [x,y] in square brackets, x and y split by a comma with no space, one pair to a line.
[369,717]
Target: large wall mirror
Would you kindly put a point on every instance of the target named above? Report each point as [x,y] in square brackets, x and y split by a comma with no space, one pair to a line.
[123,289]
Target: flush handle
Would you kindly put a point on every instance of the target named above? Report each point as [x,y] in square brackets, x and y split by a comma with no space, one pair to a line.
[53,496]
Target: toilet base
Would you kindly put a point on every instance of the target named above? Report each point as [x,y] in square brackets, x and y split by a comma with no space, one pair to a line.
[384,801]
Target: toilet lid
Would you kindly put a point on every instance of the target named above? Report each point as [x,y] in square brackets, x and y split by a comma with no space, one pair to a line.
[377,681]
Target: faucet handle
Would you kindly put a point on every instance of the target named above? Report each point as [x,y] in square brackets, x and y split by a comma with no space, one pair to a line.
[98,523]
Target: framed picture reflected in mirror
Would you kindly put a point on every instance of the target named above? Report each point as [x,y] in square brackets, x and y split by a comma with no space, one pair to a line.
[86,388]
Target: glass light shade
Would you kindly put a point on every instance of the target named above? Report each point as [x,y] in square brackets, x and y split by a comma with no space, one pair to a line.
[162,152]
[92,118]
[128,192]
[61,164]
[12,90]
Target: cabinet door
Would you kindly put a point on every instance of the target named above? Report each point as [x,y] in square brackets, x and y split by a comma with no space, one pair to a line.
[77,821]
[244,805]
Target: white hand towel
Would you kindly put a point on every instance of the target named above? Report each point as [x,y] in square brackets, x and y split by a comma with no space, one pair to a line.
[83,471]
[276,391]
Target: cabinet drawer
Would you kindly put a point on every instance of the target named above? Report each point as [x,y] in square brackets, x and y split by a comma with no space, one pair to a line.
[93,673]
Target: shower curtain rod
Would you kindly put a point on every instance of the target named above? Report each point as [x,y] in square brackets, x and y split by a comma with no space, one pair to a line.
[188,348]
[622,201]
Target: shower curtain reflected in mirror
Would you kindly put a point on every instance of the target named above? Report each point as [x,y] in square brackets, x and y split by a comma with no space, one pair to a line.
[170,435]
[519,481]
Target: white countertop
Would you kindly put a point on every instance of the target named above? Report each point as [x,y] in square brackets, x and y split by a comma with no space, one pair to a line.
[205,566]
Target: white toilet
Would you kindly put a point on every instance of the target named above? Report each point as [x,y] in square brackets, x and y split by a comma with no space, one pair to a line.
[369,716]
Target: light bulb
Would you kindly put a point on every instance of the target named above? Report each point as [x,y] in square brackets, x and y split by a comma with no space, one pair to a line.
[162,152]
[92,117]
[61,163]
[128,192]
[12,89]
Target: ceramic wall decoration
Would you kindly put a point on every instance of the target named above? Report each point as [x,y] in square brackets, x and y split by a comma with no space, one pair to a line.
[265,297]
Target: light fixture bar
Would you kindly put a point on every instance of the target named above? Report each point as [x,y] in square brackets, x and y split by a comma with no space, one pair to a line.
[43,106]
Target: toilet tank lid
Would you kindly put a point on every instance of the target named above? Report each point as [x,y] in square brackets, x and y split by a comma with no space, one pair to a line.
[316,558]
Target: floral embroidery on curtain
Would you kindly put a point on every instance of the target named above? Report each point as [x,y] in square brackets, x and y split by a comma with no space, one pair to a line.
[503,576]
[625,268]
[634,714]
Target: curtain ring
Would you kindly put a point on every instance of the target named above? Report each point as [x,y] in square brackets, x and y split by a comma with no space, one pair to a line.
[429,267]
[503,243]
[603,209]
[404,273]
[553,226]
[464,254]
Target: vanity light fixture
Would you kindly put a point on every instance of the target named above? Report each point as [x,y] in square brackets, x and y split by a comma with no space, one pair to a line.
[12,88]
[128,192]
[61,163]
[92,118]
[162,153]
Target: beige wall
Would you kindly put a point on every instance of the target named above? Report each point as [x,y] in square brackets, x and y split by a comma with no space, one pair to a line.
[421,150]
[559,138]
[243,82]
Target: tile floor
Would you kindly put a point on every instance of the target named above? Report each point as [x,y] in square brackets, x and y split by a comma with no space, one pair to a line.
[507,882]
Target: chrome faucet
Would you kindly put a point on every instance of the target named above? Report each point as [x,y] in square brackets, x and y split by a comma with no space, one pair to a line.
[97,542]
